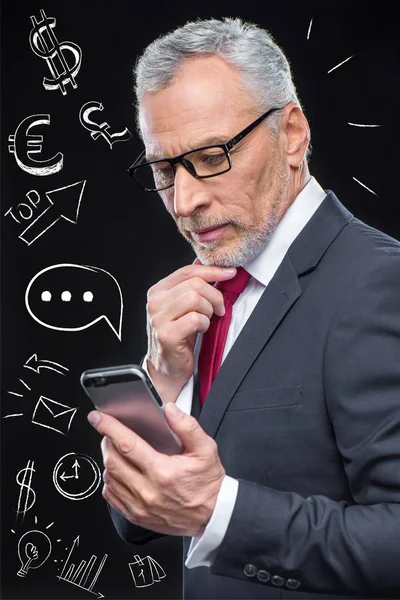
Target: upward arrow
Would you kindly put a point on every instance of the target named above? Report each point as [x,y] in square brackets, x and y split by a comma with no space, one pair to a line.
[64,204]
[76,466]
[75,543]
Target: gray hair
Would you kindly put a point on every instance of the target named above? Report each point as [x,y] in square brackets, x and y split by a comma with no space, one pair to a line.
[250,49]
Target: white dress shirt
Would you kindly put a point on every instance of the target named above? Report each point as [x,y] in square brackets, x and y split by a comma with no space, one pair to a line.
[262,268]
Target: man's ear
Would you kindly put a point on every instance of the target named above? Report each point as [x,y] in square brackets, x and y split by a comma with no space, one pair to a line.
[296,130]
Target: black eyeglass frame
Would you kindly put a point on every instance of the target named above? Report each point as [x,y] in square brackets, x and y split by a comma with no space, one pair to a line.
[187,164]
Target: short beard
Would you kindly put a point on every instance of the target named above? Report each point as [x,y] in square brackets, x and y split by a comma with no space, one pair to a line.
[250,246]
[252,238]
[251,242]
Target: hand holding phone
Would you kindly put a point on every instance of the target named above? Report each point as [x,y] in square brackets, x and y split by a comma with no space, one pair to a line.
[127,393]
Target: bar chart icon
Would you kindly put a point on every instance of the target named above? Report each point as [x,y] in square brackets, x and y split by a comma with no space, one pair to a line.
[84,575]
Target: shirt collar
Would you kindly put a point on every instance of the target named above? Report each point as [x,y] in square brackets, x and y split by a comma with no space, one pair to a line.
[265,264]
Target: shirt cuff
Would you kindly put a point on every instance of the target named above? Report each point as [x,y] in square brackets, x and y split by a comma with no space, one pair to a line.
[203,549]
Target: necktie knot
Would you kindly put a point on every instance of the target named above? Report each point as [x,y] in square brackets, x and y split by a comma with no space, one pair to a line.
[232,288]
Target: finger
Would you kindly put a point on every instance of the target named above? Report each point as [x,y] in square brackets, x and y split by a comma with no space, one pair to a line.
[130,445]
[119,467]
[187,428]
[129,496]
[128,474]
[194,294]
[108,450]
[208,273]
[176,333]
[116,503]
[184,299]
[197,261]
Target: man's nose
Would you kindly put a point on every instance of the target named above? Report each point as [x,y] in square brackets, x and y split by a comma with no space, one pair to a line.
[189,193]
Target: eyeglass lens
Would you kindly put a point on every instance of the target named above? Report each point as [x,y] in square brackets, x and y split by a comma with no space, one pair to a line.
[203,163]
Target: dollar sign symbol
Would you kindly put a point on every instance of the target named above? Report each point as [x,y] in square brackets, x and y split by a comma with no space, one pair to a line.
[45,44]
[27,496]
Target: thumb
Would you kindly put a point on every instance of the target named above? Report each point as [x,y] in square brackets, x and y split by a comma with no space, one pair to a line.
[197,261]
[187,428]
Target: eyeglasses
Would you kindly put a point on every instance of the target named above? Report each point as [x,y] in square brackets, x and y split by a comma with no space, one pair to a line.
[204,162]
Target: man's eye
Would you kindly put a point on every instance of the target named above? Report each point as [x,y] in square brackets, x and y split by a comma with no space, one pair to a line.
[213,159]
[163,172]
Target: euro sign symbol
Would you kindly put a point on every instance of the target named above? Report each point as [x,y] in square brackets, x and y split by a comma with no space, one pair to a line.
[101,129]
[23,144]
[27,496]
[44,44]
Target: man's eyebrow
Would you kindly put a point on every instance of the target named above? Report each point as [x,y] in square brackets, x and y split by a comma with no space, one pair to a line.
[208,141]
[156,155]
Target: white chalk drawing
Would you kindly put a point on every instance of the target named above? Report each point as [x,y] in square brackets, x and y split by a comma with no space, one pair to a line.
[340,64]
[146,571]
[53,415]
[24,384]
[27,496]
[85,574]
[36,365]
[24,144]
[62,203]
[88,312]
[76,466]
[16,393]
[34,548]
[13,415]
[102,129]
[362,125]
[309,29]
[364,186]
[44,44]
[76,476]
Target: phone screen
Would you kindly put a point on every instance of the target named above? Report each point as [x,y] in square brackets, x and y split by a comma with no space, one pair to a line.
[128,399]
[118,397]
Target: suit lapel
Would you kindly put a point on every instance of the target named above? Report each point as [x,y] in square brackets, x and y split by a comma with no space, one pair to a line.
[279,296]
[277,299]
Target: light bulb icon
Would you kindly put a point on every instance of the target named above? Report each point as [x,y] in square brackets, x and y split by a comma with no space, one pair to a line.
[34,549]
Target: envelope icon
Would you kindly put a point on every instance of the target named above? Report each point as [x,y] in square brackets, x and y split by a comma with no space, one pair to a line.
[53,415]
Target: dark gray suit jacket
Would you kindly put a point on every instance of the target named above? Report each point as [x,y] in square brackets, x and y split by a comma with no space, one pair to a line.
[306,413]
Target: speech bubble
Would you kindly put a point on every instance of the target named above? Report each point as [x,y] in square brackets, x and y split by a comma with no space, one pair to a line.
[69,297]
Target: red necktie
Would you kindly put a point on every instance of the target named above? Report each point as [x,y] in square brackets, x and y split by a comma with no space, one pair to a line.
[213,340]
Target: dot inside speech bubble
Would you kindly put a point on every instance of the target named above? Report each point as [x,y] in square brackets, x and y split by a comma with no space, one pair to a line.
[69,297]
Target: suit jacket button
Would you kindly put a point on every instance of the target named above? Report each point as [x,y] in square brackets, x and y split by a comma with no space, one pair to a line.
[292,584]
[277,580]
[249,570]
[263,576]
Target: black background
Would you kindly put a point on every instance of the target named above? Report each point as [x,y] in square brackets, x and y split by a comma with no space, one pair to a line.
[128,233]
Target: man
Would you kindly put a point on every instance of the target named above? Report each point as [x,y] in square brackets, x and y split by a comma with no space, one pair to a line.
[289,486]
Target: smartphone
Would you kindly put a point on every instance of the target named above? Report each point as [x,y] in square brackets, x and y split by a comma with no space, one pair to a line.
[127,393]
